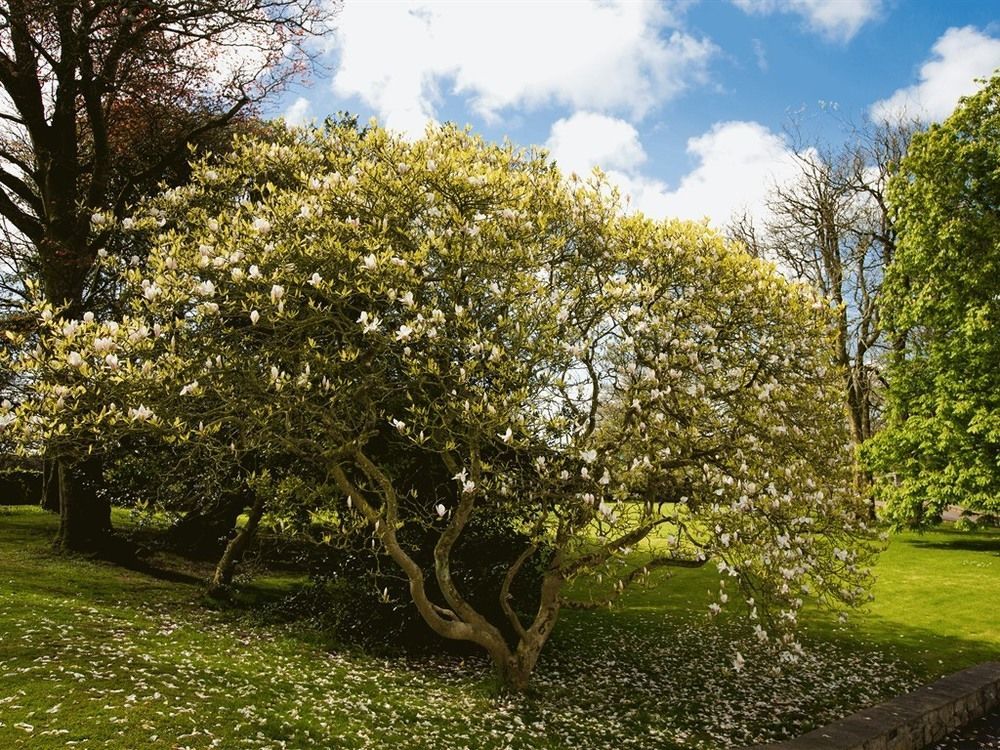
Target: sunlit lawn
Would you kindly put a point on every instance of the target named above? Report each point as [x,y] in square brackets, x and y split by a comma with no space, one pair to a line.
[95,656]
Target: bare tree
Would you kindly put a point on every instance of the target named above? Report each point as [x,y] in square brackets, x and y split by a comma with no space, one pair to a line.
[99,100]
[831,226]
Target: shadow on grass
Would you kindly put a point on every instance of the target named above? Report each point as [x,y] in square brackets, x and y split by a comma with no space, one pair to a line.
[170,575]
[930,653]
[606,680]
[679,602]
[991,546]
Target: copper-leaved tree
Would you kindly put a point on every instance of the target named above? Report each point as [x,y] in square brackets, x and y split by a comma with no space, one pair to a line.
[100,100]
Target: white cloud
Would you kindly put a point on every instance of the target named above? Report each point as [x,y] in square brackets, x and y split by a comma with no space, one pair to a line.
[586,139]
[612,56]
[737,164]
[299,112]
[960,56]
[838,20]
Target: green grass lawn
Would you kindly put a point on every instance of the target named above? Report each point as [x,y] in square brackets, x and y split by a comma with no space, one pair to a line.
[92,655]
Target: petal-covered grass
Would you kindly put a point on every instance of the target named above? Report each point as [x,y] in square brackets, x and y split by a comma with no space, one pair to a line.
[92,655]
[936,601]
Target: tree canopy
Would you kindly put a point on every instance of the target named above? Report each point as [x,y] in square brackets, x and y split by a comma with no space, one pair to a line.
[941,445]
[374,311]
[101,99]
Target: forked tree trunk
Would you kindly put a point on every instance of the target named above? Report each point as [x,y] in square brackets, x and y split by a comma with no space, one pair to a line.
[459,620]
[514,666]
[237,547]
[521,665]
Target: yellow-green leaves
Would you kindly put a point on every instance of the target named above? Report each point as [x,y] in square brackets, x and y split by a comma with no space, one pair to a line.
[486,335]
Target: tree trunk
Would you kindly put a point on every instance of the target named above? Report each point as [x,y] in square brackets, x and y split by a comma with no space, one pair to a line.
[235,550]
[462,622]
[516,669]
[513,675]
[203,532]
[84,514]
[50,486]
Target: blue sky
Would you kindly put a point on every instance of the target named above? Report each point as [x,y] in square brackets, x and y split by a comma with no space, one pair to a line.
[685,104]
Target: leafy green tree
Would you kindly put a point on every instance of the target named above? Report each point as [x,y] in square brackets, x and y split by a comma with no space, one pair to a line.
[941,445]
[374,312]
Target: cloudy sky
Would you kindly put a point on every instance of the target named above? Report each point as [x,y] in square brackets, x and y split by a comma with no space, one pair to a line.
[686,104]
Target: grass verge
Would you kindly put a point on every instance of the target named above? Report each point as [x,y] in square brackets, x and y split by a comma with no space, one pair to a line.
[92,655]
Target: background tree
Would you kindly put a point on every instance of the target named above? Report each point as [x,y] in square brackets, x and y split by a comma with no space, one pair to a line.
[100,100]
[942,442]
[830,225]
[381,311]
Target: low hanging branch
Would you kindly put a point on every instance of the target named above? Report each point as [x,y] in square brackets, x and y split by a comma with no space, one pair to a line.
[636,574]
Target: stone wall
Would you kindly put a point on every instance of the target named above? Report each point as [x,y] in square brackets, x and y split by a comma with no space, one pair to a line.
[912,721]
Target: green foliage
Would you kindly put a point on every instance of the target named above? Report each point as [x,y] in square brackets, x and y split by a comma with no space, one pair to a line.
[941,445]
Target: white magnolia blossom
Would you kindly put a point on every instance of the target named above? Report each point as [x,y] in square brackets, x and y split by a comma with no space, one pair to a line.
[104,344]
[369,323]
[140,413]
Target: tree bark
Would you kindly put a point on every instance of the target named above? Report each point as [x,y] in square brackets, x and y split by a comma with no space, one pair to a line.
[235,550]
[460,620]
[84,514]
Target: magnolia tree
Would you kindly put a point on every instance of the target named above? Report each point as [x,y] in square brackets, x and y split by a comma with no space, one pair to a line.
[376,311]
